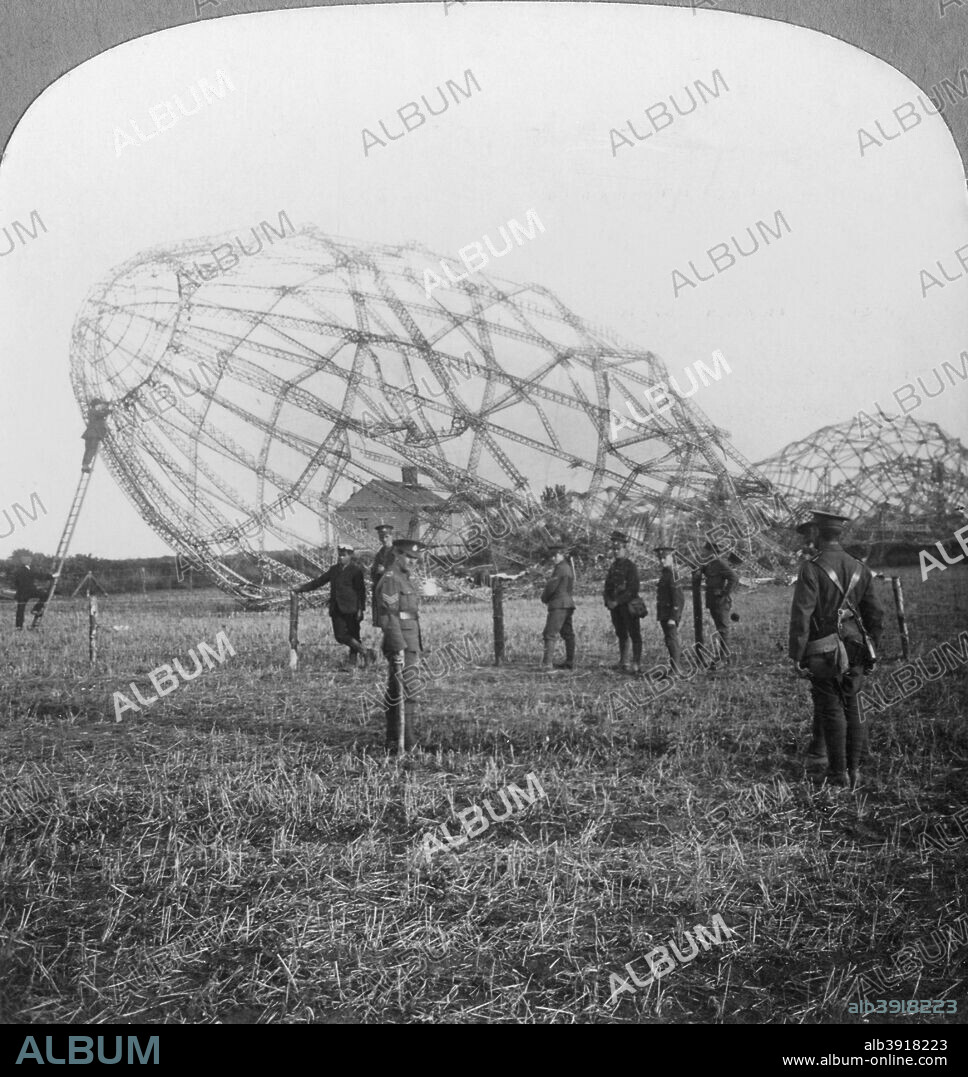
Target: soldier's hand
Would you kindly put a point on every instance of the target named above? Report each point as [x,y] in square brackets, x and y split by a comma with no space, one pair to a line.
[398,656]
[671,624]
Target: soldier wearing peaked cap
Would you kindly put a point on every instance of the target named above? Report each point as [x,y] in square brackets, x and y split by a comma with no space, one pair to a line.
[398,608]
[621,595]
[557,596]
[347,601]
[669,603]
[721,581]
[381,561]
[835,623]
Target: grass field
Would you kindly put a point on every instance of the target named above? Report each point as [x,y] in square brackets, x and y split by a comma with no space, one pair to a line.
[243,851]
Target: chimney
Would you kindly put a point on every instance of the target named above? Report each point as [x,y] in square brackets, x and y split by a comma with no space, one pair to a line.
[409,476]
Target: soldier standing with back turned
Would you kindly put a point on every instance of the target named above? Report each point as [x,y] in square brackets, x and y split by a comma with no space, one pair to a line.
[827,644]
[721,580]
[621,587]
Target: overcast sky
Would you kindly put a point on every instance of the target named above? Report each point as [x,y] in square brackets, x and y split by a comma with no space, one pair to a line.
[825,321]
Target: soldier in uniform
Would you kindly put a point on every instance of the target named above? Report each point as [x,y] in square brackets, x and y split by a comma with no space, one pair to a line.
[669,602]
[828,646]
[397,606]
[721,580]
[816,760]
[557,596]
[621,587]
[347,601]
[381,561]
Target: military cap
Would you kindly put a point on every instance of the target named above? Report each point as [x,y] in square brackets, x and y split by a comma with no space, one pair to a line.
[660,550]
[344,548]
[383,527]
[556,547]
[619,536]
[409,546]
[821,517]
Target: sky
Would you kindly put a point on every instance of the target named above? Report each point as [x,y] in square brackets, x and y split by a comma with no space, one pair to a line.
[823,322]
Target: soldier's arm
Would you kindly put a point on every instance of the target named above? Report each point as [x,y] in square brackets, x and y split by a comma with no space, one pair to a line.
[315,584]
[804,603]
[732,580]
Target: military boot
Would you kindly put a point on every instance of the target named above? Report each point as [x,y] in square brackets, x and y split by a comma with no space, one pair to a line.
[570,653]
[548,661]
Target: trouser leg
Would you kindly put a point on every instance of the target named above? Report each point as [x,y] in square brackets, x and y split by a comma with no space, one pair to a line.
[671,634]
[720,616]
[635,634]
[856,729]
[553,626]
[620,624]
[568,635]
[19,615]
[826,693]
[411,691]
[346,630]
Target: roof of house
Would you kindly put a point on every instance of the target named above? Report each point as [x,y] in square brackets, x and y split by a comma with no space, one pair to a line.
[386,494]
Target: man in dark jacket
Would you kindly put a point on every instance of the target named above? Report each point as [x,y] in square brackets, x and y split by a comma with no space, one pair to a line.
[557,596]
[721,580]
[398,615]
[382,560]
[621,587]
[347,601]
[96,430]
[25,585]
[669,602]
[835,658]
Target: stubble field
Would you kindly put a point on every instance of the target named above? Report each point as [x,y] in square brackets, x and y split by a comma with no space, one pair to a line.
[244,851]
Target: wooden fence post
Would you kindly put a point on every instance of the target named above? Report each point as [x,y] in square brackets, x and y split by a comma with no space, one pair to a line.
[92,628]
[293,629]
[497,606]
[901,621]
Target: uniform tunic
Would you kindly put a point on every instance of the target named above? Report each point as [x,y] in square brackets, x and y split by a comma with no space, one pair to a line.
[557,596]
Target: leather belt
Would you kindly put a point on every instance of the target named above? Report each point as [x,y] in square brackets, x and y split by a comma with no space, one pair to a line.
[407,616]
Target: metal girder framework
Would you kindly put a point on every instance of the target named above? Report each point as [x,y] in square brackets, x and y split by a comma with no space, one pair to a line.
[903,480]
[329,364]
